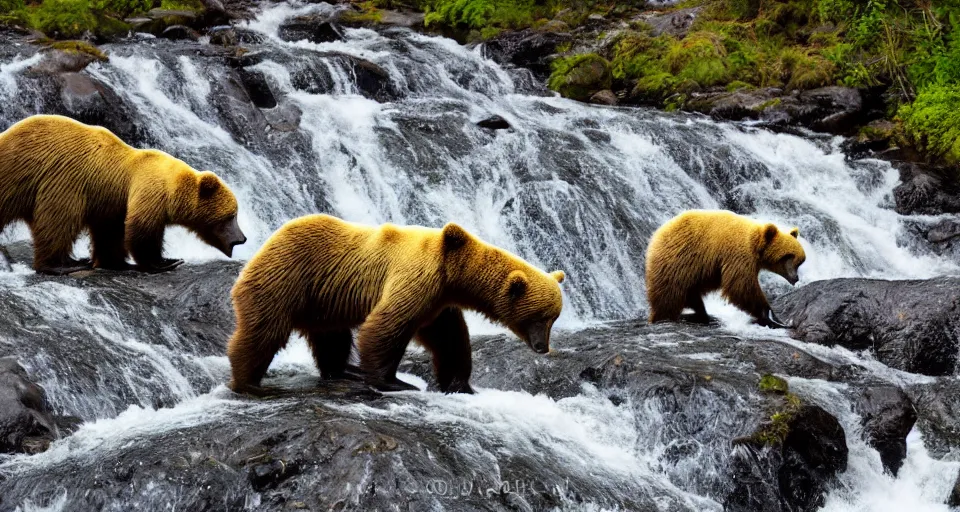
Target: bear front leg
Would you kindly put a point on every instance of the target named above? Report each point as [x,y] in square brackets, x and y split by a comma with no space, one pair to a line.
[743,291]
[107,239]
[383,339]
[448,339]
[144,226]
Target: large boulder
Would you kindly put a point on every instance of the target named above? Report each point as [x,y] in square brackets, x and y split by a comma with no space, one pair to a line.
[912,326]
[582,76]
[791,459]
[927,190]
[528,49]
[831,109]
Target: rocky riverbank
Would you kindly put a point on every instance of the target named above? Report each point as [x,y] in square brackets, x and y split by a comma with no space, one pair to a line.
[318,445]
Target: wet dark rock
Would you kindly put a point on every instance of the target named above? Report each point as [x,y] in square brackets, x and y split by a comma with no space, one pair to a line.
[316,28]
[938,414]
[270,474]
[926,189]
[736,105]
[833,109]
[909,325]
[285,117]
[813,453]
[258,88]
[58,61]
[224,35]
[180,32]
[676,23]
[494,123]
[604,97]
[792,472]
[527,49]
[888,415]
[27,424]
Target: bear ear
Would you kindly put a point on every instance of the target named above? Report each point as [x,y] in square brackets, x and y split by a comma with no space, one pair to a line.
[795,232]
[454,237]
[209,183]
[516,284]
[558,275]
[770,231]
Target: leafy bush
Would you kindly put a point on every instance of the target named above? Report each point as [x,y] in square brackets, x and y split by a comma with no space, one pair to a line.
[480,14]
[932,122]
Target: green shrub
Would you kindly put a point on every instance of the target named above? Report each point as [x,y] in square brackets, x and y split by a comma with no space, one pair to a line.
[932,121]
[699,57]
[64,19]
[480,14]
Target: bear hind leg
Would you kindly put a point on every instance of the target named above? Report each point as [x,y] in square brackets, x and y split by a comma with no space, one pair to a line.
[331,353]
[54,233]
[108,246]
[250,352]
[448,339]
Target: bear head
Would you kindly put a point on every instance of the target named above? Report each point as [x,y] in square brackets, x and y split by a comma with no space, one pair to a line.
[515,294]
[212,212]
[781,252]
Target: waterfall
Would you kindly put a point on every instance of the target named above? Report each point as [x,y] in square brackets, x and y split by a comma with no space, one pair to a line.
[381,127]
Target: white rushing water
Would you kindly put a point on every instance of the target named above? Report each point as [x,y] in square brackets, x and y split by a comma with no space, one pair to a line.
[570,186]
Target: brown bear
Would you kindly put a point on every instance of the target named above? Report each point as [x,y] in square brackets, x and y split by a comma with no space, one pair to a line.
[322,276]
[700,251]
[61,176]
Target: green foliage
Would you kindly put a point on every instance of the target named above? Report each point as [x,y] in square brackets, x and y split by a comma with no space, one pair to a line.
[699,57]
[480,14]
[71,19]
[775,431]
[9,6]
[773,384]
[932,121]
[65,19]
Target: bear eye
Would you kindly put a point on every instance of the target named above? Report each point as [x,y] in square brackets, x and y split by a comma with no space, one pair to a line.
[786,258]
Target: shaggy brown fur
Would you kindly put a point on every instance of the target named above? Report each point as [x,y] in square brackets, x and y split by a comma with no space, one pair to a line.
[322,276]
[701,251]
[61,176]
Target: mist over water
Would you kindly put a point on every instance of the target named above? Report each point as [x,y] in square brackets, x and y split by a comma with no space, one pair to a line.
[570,186]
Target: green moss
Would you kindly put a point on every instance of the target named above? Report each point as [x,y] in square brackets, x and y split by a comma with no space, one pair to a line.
[699,57]
[773,384]
[366,16]
[737,85]
[78,47]
[655,87]
[579,76]
[775,431]
[932,121]
[181,5]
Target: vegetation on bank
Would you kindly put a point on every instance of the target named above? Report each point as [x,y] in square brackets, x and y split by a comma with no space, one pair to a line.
[73,19]
[908,49]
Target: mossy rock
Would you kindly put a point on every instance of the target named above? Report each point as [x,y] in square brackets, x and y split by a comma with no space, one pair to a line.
[580,76]
[773,384]
[79,47]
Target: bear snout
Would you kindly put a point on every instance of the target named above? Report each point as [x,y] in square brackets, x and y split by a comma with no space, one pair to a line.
[538,337]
